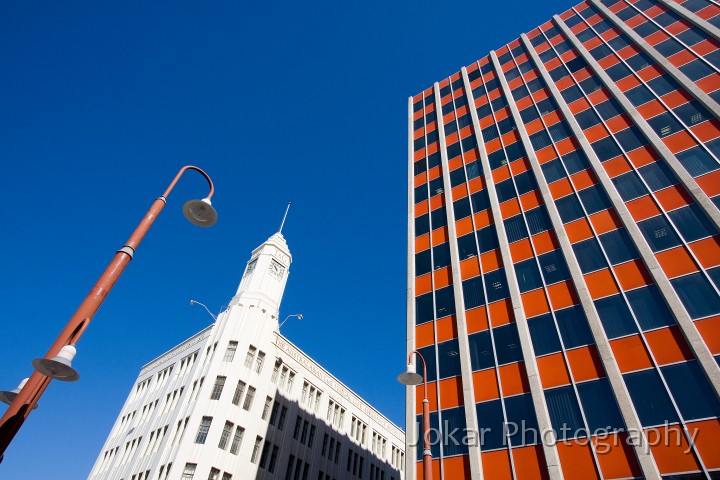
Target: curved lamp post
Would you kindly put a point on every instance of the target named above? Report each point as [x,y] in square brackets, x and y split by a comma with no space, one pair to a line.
[57,362]
[412,378]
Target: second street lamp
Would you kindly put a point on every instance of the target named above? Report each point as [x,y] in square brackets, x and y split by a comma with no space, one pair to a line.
[56,363]
[411,378]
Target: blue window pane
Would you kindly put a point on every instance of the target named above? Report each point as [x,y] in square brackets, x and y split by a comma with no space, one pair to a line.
[569,208]
[424,308]
[553,171]
[714,274]
[649,307]
[618,246]
[428,353]
[487,239]
[600,406]
[438,218]
[444,302]
[540,140]
[505,190]
[615,316]
[665,124]
[521,420]
[496,285]
[589,255]
[481,352]
[574,327]
[631,139]
[639,95]
[449,358]
[629,186]
[441,255]
[564,412]
[553,266]
[473,292]
[650,398]
[697,161]
[423,264]
[507,344]
[537,220]
[692,223]
[606,149]
[422,225]
[515,228]
[594,199]
[466,246]
[658,176]
[659,234]
[528,275]
[525,182]
[480,201]
[587,118]
[697,295]
[434,427]
[544,334]
[691,390]
[491,425]
[453,420]
[576,161]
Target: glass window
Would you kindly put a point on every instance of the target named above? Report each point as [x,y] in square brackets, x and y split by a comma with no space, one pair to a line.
[599,404]
[658,233]
[473,292]
[615,316]
[453,420]
[422,225]
[487,239]
[423,308]
[618,246]
[461,208]
[497,159]
[692,113]
[575,161]
[441,255]
[438,218]
[691,390]
[618,72]
[449,357]
[423,262]
[553,171]
[553,266]
[650,398]
[697,161]
[428,353]
[515,228]
[587,118]
[696,70]
[496,285]
[665,124]
[609,109]
[527,275]
[564,412]
[525,182]
[491,425]
[505,190]
[514,151]
[650,308]
[639,61]
[630,139]
[574,327]
[507,344]
[589,255]
[544,335]
[697,295]
[692,223]
[540,140]
[629,186]
[606,149]
[657,175]
[521,420]
[594,199]
[639,95]
[529,114]
[481,352]
[444,302]
[569,208]
[538,220]
[466,246]
[559,131]
[571,94]
[663,85]
[457,177]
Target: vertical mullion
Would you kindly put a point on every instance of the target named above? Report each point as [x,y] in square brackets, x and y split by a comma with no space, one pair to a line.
[410,392]
[461,321]
[688,328]
[543,417]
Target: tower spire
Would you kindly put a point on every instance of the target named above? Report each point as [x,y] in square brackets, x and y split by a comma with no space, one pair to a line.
[284,217]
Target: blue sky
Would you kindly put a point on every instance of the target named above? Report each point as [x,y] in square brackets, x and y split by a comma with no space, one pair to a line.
[101,104]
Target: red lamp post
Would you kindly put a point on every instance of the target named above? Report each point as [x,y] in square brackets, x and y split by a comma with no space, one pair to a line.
[56,363]
[412,378]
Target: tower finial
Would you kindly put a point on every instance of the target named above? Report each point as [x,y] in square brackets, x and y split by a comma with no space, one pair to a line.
[284,217]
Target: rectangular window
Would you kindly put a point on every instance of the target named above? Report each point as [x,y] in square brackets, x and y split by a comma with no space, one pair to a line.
[227,430]
[188,472]
[218,388]
[256,449]
[203,430]
[230,351]
[239,390]
[237,440]
[214,474]
[250,357]
[249,398]
[266,408]
[259,362]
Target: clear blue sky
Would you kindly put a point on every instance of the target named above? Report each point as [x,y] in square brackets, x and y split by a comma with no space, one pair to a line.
[102,102]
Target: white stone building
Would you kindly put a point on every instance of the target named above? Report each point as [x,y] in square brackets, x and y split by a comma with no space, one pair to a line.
[238,401]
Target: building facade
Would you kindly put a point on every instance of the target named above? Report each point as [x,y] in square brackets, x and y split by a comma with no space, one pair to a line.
[563,250]
[240,401]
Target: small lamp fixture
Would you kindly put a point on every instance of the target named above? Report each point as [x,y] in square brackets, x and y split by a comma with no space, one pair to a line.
[410,377]
[60,367]
[200,212]
[9,397]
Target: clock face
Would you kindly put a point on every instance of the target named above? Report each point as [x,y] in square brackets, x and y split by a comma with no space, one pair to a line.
[250,267]
[276,269]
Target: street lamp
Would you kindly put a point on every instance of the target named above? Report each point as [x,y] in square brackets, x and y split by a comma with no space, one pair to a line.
[57,362]
[411,378]
[298,315]
[195,302]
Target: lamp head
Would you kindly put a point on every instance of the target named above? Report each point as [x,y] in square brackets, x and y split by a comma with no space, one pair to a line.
[200,212]
[410,377]
[60,367]
[9,396]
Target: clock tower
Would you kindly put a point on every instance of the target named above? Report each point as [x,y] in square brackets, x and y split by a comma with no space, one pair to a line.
[265,276]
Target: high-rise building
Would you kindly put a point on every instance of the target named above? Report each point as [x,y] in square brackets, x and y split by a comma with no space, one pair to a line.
[239,401]
[563,250]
